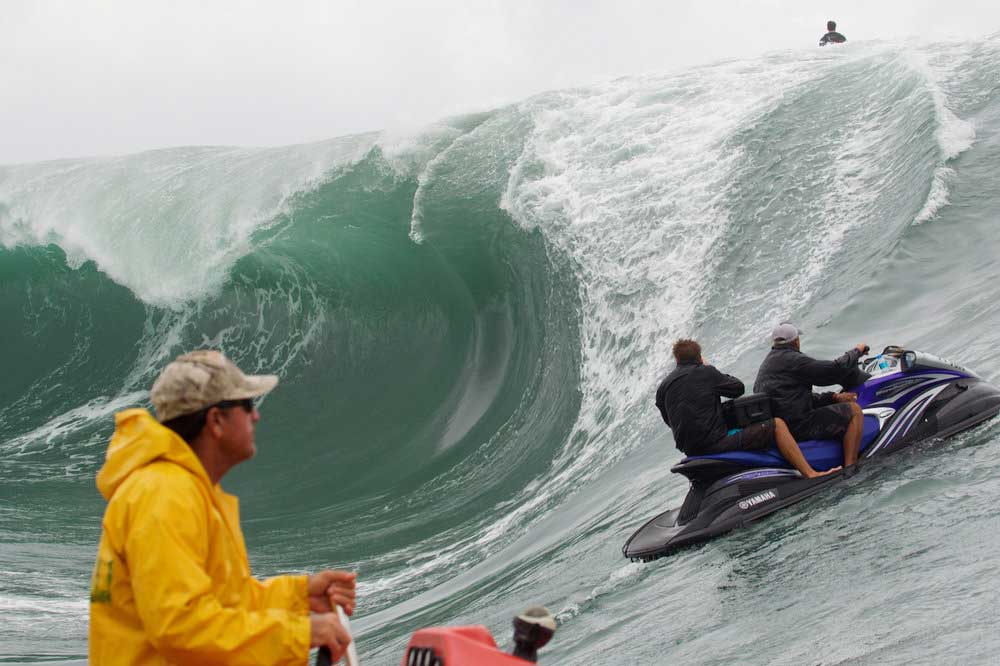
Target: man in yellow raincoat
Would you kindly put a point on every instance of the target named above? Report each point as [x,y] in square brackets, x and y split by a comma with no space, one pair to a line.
[172,582]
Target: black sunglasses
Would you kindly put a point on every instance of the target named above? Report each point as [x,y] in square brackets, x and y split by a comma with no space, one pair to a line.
[246,403]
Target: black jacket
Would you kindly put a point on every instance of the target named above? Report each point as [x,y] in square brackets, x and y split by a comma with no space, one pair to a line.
[788,375]
[832,37]
[688,400]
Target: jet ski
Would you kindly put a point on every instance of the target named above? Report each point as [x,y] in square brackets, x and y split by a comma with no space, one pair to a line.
[908,396]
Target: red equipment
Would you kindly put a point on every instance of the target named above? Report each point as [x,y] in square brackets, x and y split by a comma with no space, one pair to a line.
[457,646]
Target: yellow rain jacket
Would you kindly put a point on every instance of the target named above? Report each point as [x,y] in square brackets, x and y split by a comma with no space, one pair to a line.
[172,582]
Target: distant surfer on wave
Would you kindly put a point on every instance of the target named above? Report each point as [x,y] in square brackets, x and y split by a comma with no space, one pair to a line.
[832,36]
[172,582]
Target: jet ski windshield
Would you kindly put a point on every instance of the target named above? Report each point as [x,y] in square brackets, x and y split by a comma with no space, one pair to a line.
[885,363]
[895,359]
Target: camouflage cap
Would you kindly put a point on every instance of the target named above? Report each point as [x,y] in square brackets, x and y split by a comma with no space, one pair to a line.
[201,379]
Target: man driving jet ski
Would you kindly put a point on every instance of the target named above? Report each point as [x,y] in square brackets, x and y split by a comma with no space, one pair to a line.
[788,376]
[689,400]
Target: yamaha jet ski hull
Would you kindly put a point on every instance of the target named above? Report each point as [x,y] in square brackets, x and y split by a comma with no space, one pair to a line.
[910,397]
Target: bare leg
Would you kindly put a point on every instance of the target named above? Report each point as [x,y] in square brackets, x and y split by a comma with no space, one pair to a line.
[852,438]
[789,448]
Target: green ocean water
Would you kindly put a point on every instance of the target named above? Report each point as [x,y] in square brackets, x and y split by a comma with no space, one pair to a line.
[469,322]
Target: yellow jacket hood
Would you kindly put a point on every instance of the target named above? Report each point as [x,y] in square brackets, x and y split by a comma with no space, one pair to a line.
[139,440]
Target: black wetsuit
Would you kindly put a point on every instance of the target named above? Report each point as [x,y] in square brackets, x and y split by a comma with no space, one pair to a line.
[688,400]
[832,37]
[788,375]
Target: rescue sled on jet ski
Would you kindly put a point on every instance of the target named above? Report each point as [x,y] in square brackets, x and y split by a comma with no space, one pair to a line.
[910,396]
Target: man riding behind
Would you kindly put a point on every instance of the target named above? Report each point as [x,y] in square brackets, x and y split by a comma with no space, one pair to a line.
[788,376]
[689,402]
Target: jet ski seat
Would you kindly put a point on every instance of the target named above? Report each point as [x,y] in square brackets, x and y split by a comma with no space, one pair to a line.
[822,454]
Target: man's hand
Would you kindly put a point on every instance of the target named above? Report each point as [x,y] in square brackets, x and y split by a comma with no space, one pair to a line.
[845,397]
[329,588]
[325,630]
[862,348]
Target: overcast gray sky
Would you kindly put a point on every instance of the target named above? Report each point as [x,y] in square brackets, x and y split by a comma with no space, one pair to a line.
[83,77]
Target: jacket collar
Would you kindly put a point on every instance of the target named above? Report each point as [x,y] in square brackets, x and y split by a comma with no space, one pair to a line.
[139,440]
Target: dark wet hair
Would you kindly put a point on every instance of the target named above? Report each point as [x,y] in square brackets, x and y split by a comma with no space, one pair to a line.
[831,25]
[687,350]
[188,426]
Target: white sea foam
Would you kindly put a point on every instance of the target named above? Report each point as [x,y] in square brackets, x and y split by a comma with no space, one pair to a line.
[31,606]
[954,135]
[425,169]
[167,224]
[618,577]
[624,179]
[64,425]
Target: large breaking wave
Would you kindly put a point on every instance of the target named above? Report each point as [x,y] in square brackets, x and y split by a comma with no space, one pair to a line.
[468,321]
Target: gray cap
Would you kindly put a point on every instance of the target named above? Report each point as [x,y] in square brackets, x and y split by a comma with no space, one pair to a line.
[785,332]
[201,379]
